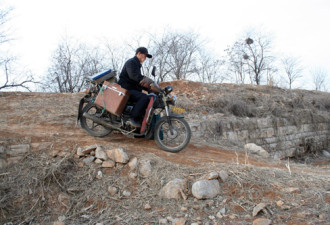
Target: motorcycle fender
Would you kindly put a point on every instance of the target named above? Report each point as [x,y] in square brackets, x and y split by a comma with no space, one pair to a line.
[81,103]
[176,115]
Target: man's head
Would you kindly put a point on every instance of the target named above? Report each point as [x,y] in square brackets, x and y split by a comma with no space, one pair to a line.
[142,54]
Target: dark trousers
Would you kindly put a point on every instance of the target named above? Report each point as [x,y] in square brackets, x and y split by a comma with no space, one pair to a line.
[142,101]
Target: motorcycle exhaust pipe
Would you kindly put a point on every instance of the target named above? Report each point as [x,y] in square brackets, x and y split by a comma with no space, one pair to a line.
[99,121]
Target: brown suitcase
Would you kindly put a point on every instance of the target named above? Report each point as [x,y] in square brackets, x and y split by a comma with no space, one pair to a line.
[113,98]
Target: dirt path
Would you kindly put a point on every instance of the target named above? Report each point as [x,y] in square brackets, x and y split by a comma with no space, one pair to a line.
[48,122]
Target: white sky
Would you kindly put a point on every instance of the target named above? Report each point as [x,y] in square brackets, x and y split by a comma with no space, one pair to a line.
[301,27]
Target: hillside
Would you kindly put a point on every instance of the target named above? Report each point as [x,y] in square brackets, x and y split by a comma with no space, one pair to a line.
[45,181]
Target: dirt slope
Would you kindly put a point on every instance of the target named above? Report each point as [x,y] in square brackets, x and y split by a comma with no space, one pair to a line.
[46,121]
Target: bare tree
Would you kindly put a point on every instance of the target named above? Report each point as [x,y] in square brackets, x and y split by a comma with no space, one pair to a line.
[319,78]
[237,64]
[210,70]
[292,69]
[70,65]
[256,50]
[176,54]
[7,75]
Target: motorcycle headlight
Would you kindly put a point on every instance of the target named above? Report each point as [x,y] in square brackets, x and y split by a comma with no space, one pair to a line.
[172,100]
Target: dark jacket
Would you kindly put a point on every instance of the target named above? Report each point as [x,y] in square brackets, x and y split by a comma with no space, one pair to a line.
[130,75]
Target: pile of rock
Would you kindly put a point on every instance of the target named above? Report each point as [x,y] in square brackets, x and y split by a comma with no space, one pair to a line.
[206,187]
[106,158]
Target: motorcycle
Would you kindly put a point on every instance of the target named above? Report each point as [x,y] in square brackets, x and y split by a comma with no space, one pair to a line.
[162,121]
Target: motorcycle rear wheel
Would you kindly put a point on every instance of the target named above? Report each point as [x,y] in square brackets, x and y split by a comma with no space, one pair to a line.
[172,140]
[92,128]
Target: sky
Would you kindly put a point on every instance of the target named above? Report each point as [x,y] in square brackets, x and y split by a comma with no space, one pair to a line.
[300,28]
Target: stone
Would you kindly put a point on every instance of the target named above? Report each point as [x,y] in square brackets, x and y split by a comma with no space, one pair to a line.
[15,150]
[255,149]
[213,176]
[173,189]
[205,189]
[126,193]
[61,218]
[100,154]
[279,203]
[145,168]
[223,211]
[147,206]
[108,164]
[118,155]
[223,175]
[98,161]
[179,221]
[58,223]
[89,159]
[112,190]
[291,190]
[89,149]
[326,153]
[133,163]
[80,152]
[262,221]
[132,175]
[162,221]
[258,208]
[99,175]
[184,209]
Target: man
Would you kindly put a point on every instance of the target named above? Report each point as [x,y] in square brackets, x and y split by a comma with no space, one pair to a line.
[131,79]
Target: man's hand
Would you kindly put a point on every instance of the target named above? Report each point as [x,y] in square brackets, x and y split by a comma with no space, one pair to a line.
[146,82]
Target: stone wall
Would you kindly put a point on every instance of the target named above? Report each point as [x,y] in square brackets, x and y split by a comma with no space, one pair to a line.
[281,137]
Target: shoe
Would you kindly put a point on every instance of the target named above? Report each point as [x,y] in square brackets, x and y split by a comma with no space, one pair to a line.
[133,123]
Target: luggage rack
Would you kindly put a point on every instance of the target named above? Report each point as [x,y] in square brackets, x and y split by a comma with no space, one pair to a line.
[109,75]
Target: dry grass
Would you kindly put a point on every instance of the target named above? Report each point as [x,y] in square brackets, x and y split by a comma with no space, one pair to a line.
[42,188]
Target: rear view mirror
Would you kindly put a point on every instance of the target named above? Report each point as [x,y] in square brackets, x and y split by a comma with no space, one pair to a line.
[153,72]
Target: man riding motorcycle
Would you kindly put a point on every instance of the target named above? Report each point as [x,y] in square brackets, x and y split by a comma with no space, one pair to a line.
[132,80]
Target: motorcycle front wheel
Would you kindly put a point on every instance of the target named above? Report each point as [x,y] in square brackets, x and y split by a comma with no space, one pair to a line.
[92,128]
[174,137]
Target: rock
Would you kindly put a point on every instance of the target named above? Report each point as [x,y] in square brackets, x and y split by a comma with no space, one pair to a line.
[118,155]
[100,154]
[223,175]
[80,152]
[145,168]
[204,189]
[223,211]
[99,224]
[132,175]
[213,176]
[61,218]
[291,190]
[89,159]
[280,203]
[98,161]
[184,209]
[255,149]
[58,223]
[15,150]
[89,149]
[147,206]
[54,153]
[212,217]
[173,189]
[112,190]
[262,221]
[179,221]
[326,153]
[99,174]
[108,164]
[126,193]
[162,221]
[133,163]
[258,208]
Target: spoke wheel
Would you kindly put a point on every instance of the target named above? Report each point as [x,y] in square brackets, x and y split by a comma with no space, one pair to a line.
[92,128]
[172,138]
